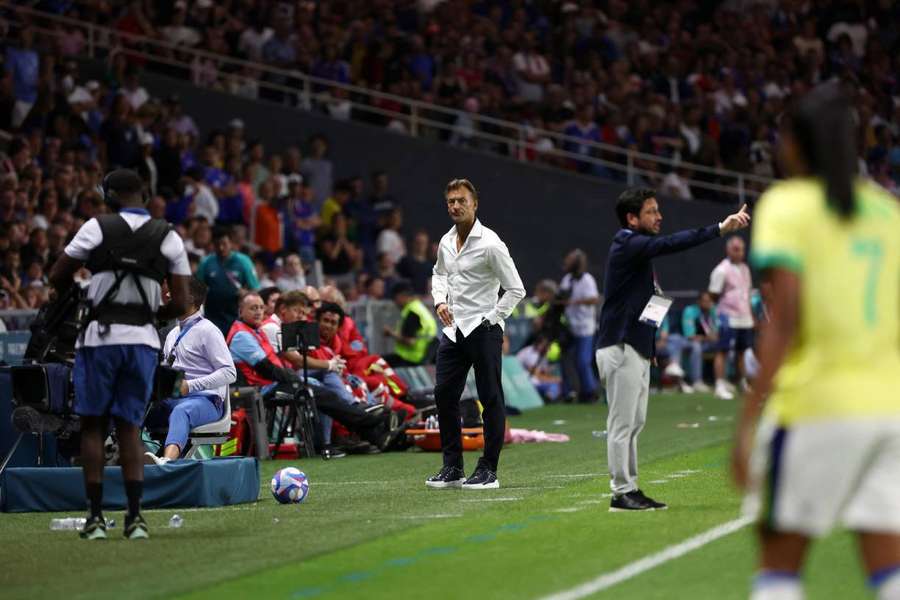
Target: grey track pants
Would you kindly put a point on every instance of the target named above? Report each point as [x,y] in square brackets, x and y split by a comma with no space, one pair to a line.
[626,376]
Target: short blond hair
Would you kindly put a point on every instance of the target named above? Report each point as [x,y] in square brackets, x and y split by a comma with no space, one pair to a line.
[456,184]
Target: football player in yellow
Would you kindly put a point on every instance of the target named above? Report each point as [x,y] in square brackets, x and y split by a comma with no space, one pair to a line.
[826,450]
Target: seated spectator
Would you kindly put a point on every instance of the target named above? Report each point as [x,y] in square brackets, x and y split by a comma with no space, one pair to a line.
[196,347]
[417,267]
[700,326]
[227,273]
[292,278]
[534,359]
[260,365]
[270,295]
[379,377]
[417,332]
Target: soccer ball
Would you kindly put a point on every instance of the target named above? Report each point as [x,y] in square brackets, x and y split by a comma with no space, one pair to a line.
[290,485]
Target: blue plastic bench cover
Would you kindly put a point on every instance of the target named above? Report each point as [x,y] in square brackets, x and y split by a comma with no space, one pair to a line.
[182,483]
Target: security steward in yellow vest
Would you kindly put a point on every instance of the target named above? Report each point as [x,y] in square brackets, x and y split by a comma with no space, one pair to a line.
[418,329]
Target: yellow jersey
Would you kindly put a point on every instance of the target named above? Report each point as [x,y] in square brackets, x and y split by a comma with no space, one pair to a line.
[845,358]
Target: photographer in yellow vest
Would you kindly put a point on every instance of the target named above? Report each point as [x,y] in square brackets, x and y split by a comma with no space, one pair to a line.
[417,332]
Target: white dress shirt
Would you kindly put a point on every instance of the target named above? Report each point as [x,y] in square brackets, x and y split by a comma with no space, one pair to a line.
[469,280]
[203,355]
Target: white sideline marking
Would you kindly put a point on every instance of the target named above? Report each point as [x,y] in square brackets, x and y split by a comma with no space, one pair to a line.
[567,510]
[491,499]
[437,516]
[574,475]
[658,481]
[607,580]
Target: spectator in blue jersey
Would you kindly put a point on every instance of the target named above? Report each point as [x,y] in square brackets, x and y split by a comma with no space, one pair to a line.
[584,128]
[227,273]
[23,66]
[303,218]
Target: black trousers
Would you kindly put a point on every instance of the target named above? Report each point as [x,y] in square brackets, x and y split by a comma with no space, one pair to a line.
[482,349]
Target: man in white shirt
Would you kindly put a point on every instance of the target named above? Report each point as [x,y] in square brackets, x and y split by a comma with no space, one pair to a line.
[196,347]
[581,319]
[730,284]
[116,356]
[472,265]
[293,278]
[205,203]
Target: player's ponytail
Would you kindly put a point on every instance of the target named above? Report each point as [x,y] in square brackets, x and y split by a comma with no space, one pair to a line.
[824,129]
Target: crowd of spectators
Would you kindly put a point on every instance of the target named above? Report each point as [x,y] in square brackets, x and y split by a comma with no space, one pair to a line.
[283,210]
[696,81]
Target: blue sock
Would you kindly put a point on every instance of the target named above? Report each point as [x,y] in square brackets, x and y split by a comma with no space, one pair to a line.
[886,582]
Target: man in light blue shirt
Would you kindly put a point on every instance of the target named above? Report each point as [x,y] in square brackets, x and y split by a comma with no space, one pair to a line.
[196,347]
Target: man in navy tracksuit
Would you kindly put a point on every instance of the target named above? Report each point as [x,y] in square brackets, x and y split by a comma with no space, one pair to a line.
[626,345]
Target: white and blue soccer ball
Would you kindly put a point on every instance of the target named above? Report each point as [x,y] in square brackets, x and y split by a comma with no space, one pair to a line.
[290,485]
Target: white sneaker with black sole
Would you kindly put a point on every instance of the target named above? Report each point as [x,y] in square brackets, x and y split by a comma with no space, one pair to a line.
[447,477]
[482,479]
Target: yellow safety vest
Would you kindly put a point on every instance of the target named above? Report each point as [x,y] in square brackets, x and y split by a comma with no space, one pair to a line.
[415,352]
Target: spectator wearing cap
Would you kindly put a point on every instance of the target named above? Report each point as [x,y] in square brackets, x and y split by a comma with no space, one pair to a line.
[227,273]
[418,328]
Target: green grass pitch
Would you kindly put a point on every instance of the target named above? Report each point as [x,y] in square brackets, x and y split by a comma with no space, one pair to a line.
[370,529]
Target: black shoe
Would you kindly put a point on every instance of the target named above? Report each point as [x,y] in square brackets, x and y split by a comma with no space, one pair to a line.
[482,479]
[329,452]
[447,477]
[632,501]
[136,528]
[94,529]
[656,505]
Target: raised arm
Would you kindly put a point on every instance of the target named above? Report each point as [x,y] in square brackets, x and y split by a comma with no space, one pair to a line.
[645,246]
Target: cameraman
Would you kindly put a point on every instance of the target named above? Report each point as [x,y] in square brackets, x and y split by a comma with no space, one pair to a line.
[581,317]
[116,356]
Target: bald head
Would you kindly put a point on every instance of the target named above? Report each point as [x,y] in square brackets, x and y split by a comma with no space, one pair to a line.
[735,250]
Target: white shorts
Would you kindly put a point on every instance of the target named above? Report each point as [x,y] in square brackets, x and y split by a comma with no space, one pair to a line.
[810,477]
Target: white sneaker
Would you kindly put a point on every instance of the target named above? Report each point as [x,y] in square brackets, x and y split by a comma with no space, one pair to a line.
[685,387]
[700,387]
[156,459]
[674,370]
[722,392]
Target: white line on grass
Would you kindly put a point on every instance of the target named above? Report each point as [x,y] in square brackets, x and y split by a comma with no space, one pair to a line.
[574,475]
[607,580]
[491,499]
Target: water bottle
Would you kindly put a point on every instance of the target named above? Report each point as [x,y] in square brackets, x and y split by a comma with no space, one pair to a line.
[67,523]
[175,522]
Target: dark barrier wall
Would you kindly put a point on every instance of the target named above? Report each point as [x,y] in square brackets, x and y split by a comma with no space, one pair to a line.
[540,213]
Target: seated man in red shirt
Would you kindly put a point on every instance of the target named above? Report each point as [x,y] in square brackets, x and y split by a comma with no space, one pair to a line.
[371,368]
[261,366]
[330,317]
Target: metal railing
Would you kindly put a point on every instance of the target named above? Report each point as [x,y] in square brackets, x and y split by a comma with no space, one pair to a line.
[413,117]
